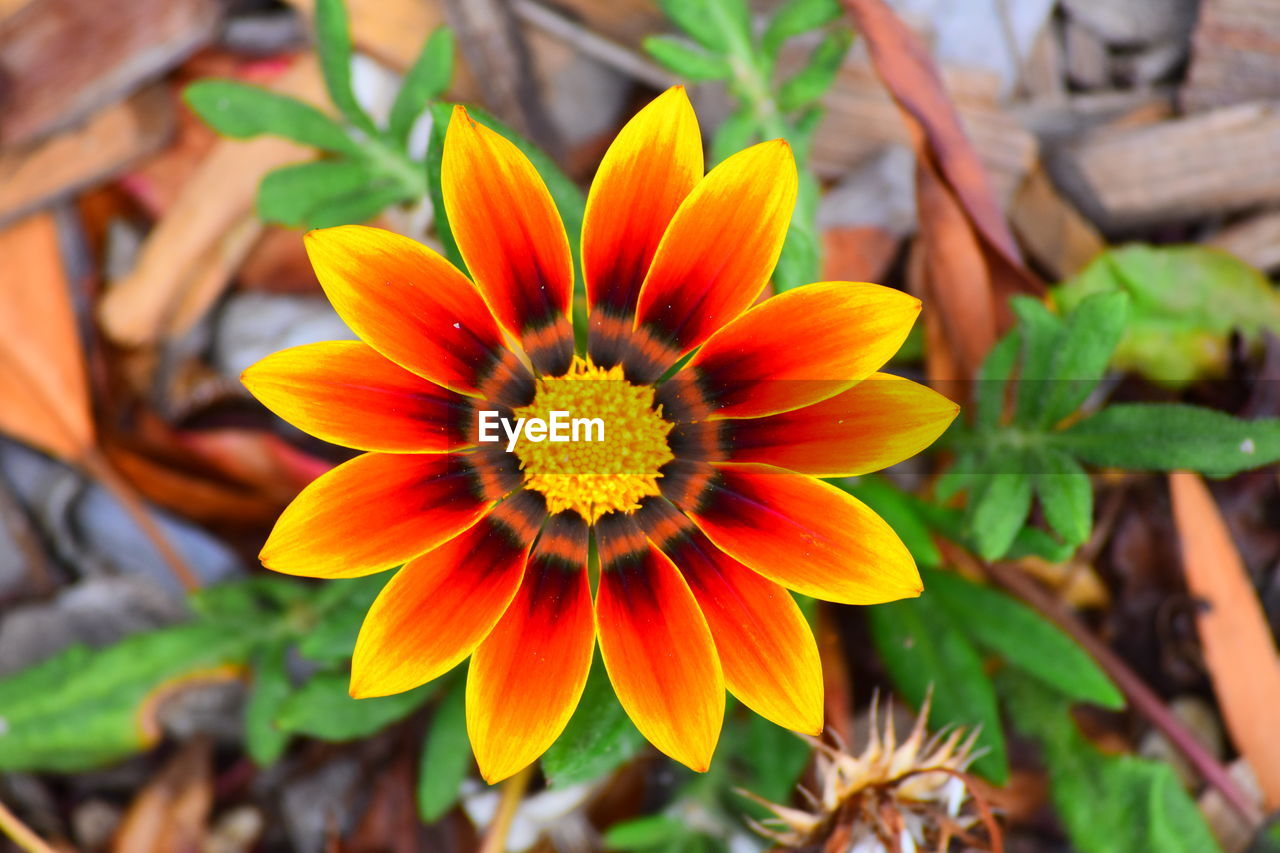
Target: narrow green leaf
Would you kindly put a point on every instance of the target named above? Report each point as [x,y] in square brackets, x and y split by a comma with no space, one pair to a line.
[446,756]
[598,739]
[796,17]
[1041,333]
[685,60]
[1023,637]
[1170,436]
[331,639]
[921,645]
[644,833]
[1091,333]
[288,194]
[271,686]
[1108,803]
[242,111]
[323,708]
[1065,495]
[813,81]
[426,81]
[704,20]
[993,380]
[735,133]
[356,207]
[333,45]
[998,506]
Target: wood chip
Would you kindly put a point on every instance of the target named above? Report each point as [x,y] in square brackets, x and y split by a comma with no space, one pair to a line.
[1052,231]
[1214,162]
[105,145]
[1255,240]
[64,59]
[189,256]
[391,30]
[1235,54]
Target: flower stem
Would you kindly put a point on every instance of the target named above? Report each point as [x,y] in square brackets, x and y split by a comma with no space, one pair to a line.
[1131,684]
[20,834]
[495,840]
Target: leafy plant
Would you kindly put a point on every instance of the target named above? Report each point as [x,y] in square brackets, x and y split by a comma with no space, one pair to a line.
[721,45]
[1028,438]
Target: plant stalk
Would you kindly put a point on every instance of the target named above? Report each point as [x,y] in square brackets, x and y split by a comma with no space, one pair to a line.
[495,840]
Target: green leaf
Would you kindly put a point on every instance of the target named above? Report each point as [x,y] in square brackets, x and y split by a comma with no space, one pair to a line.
[86,708]
[922,645]
[1185,301]
[288,194]
[715,24]
[331,639]
[998,505]
[323,708]
[1169,436]
[812,82]
[599,738]
[333,45]
[685,60]
[271,686]
[1065,495]
[993,380]
[426,81]
[773,757]
[1041,333]
[796,17]
[644,833]
[734,133]
[446,756]
[1108,803]
[356,207]
[1091,333]
[1023,637]
[241,111]
[799,261]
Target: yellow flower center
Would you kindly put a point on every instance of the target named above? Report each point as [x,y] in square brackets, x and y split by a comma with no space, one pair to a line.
[607,464]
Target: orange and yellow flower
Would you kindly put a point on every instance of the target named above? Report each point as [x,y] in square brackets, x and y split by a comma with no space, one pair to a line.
[702,499]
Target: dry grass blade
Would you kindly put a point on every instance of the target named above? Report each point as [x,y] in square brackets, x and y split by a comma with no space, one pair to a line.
[1238,648]
[972,262]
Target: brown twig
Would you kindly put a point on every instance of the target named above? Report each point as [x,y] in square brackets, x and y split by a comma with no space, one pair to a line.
[495,840]
[100,469]
[1144,699]
[21,834]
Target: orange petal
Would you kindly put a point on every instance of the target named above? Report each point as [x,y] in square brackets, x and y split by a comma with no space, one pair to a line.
[879,422]
[438,608]
[379,510]
[511,237]
[803,533]
[716,256]
[347,393]
[656,646]
[412,306]
[792,350]
[648,170]
[769,656]
[527,676]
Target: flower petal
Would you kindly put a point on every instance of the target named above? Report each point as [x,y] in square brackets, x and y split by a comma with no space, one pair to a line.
[379,510]
[438,608]
[348,393]
[716,256]
[768,653]
[412,306]
[879,422]
[653,163]
[803,533]
[792,350]
[511,236]
[656,646]
[527,676]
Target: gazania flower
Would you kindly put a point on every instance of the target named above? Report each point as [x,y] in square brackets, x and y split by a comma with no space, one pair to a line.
[701,497]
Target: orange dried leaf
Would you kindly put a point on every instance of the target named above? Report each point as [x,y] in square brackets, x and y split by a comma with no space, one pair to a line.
[1238,648]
